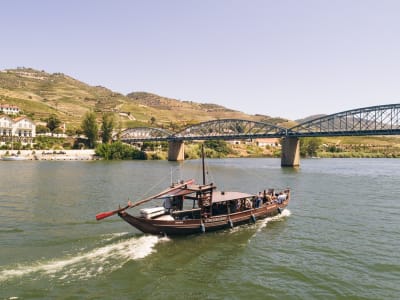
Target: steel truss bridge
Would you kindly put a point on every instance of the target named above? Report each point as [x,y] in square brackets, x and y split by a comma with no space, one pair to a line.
[374,120]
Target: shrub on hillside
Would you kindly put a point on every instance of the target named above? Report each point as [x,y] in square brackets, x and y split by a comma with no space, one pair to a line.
[118,151]
[219,146]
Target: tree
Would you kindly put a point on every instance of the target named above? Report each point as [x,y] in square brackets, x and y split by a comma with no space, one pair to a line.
[119,150]
[107,127]
[90,128]
[313,146]
[152,120]
[219,146]
[53,122]
[42,129]
[309,146]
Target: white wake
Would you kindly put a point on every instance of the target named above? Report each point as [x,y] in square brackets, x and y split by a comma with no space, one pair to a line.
[262,224]
[84,265]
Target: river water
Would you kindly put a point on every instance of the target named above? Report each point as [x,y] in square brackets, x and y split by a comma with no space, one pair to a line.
[339,238]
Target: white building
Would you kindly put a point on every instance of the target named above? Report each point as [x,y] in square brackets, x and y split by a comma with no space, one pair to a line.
[21,129]
[9,109]
[271,142]
[6,126]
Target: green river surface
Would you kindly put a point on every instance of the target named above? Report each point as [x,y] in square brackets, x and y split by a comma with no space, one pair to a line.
[338,239]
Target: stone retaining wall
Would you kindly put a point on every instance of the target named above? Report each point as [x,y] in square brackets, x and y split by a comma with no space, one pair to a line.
[54,155]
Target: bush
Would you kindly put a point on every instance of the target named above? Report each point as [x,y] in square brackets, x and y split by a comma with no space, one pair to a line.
[157,156]
[67,145]
[118,151]
[220,148]
[192,151]
[46,142]
[58,131]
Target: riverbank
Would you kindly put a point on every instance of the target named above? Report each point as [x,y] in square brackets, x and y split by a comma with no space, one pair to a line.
[72,155]
[89,154]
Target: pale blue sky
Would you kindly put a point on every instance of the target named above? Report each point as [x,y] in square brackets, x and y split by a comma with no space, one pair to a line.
[287,58]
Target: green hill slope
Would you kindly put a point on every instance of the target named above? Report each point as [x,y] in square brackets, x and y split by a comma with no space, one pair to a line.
[39,94]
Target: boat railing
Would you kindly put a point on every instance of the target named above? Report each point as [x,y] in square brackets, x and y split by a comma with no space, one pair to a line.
[187,214]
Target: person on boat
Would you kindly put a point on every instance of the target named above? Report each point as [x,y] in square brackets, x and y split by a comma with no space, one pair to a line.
[177,203]
[167,204]
[248,204]
[232,206]
[264,197]
[281,197]
[258,201]
[270,196]
[239,205]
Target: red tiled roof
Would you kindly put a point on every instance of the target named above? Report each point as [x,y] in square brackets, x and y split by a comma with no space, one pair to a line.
[8,106]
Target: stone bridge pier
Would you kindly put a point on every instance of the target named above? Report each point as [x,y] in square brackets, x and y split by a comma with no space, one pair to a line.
[176,150]
[290,156]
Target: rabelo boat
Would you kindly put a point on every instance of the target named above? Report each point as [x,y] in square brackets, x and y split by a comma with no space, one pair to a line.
[190,208]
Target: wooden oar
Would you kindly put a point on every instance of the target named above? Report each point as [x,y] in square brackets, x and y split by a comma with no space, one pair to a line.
[107,214]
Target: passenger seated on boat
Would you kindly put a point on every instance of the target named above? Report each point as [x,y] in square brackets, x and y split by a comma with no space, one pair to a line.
[269,198]
[248,204]
[216,209]
[239,205]
[232,207]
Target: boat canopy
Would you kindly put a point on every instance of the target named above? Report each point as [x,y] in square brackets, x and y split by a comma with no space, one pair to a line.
[221,196]
[217,196]
[186,190]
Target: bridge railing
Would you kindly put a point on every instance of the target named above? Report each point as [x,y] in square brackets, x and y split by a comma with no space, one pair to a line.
[374,120]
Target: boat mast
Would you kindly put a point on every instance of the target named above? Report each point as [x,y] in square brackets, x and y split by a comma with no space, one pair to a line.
[202,163]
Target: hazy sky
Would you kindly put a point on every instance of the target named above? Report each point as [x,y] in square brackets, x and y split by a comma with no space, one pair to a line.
[287,58]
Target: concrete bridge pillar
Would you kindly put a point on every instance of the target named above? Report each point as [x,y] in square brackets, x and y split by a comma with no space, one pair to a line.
[290,156]
[176,150]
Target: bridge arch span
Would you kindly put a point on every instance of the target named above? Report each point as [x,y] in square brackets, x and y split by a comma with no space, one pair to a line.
[372,120]
[229,129]
[142,134]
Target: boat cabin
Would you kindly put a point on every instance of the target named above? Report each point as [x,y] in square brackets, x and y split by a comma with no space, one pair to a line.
[199,201]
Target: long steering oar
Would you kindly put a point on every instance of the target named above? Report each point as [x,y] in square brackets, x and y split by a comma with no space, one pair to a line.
[107,214]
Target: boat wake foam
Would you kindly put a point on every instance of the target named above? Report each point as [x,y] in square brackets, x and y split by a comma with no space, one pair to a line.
[83,265]
[260,224]
[285,213]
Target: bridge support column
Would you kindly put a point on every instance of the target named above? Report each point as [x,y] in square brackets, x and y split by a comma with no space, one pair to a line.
[290,156]
[176,150]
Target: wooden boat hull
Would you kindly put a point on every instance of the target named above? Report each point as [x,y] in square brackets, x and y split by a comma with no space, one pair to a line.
[193,226]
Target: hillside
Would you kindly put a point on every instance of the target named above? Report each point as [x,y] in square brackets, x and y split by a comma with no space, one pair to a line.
[310,118]
[188,112]
[39,94]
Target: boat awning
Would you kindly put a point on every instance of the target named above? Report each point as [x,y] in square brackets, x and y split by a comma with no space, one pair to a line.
[176,193]
[186,190]
[219,196]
